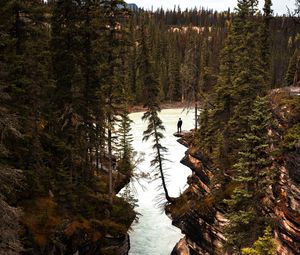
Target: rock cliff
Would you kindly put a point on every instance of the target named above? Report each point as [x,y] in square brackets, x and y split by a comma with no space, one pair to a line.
[286,192]
[202,219]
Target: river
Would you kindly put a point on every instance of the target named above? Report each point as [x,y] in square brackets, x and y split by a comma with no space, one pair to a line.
[154,234]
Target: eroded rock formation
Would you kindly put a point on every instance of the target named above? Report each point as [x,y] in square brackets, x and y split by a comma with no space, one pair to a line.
[202,220]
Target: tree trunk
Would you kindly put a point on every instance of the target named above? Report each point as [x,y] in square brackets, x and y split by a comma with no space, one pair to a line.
[296,76]
[169,199]
[196,115]
[110,166]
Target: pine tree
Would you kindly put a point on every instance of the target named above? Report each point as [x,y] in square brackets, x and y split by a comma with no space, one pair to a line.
[266,40]
[89,101]
[292,75]
[125,139]
[252,178]
[241,79]
[143,64]
[265,245]
[155,125]
[207,77]
[132,60]
[223,106]
[24,77]
[154,130]
[115,14]
[174,82]
[289,76]
[249,72]
[64,119]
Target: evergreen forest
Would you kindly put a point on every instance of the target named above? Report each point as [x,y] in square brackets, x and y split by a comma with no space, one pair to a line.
[71,71]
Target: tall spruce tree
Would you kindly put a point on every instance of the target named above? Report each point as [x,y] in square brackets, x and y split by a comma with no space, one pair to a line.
[115,15]
[174,82]
[266,40]
[223,106]
[88,102]
[241,78]
[249,72]
[132,60]
[252,177]
[125,137]
[155,125]
[64,119]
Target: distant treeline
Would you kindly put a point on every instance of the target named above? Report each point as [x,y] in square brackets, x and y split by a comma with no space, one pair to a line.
[185,48]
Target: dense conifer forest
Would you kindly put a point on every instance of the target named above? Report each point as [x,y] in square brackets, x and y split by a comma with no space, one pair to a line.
[70,70]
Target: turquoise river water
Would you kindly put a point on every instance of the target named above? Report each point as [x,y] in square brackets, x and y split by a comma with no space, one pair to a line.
[154,234]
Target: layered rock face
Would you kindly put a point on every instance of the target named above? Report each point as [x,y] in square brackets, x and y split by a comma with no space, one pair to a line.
[203,221]
[287,214]
[286,210]
[203,228]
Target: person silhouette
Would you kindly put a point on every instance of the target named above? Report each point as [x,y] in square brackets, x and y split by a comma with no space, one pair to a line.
[179,124]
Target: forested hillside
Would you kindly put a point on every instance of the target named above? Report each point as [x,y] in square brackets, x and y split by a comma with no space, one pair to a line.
[185,50]
[61,97]
[69,72]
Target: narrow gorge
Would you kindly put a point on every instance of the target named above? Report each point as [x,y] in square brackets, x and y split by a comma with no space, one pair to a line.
[73,73]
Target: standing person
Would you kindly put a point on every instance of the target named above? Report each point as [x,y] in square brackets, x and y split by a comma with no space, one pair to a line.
[179,124]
